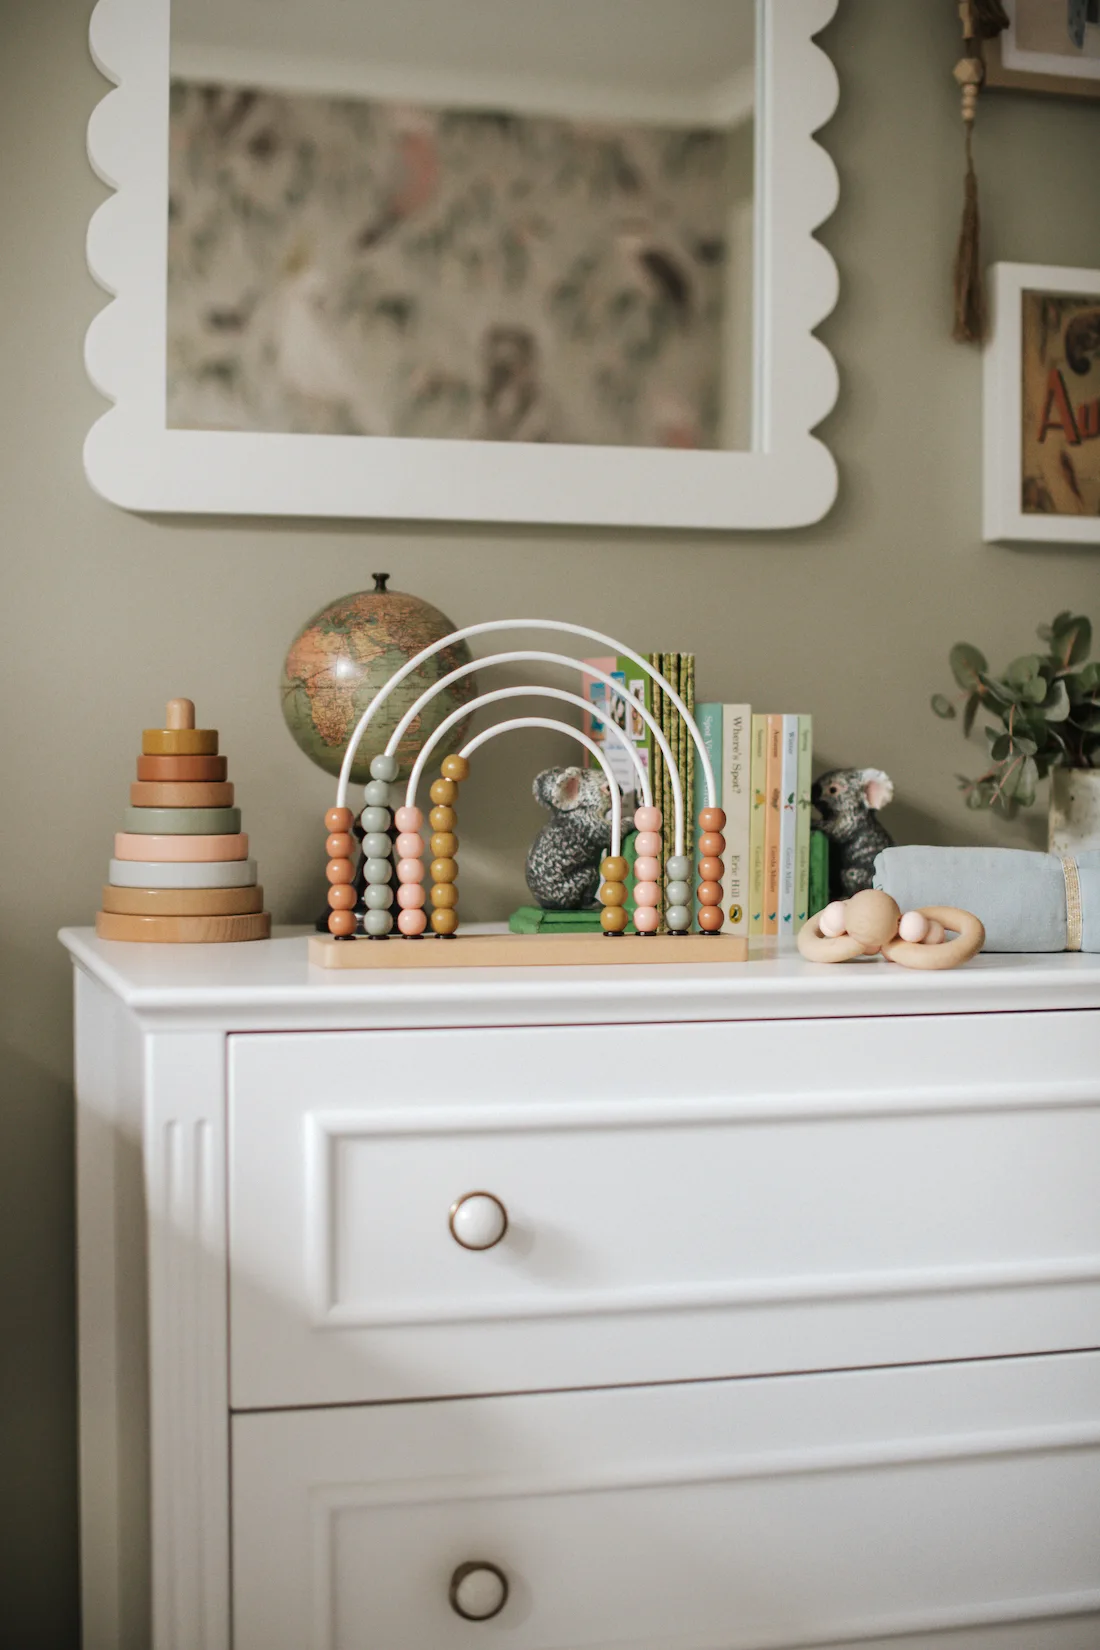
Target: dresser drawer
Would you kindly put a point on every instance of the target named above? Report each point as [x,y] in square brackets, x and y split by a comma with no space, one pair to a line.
[728,1515]
[681,1201]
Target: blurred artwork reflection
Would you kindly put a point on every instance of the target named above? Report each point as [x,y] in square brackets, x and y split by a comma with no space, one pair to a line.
[357,266]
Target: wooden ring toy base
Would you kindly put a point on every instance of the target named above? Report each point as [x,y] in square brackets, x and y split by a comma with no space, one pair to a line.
[527,951]
[110,925]
[182,902]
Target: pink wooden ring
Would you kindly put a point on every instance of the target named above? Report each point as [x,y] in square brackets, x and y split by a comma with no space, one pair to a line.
[180,849]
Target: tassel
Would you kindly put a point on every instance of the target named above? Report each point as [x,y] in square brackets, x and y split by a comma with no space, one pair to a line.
[971,312]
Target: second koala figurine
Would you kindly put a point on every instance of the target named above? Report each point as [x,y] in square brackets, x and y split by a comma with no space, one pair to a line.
[846,803]
[563,865]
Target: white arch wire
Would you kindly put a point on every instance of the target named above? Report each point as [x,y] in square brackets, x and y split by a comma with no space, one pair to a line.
[490,625]
[528,656]
[582,739]
[448,722]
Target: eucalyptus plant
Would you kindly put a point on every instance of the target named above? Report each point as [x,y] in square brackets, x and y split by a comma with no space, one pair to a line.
[1046,711]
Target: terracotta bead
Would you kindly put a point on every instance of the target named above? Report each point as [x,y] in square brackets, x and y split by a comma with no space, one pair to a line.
[410,870]
[710,893]
[339,819]
[647,819]
[455,767]
[341,922]
[712,819]
[711,918]
[646,920]
[408,819]
[444,792]
[409,845]
[412,921]
[647,844]
[444,870]
[444,921]
[711,844]
[613,893]
[710,869]
[443,819]
[647,893]
[341,897]
[339,870]
[411,896]
[612,919]
[614,868]
[443,844]
[340,845]
[647,868]
[444,896]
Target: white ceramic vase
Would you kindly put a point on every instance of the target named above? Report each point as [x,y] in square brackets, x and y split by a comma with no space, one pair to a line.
[1074,810]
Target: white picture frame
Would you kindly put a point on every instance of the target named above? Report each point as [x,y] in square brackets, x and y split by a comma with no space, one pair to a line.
[1004,521]
[788,478]
[1070,72]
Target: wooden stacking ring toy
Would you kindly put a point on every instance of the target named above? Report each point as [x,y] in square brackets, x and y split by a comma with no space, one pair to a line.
[408,873]
[181,874]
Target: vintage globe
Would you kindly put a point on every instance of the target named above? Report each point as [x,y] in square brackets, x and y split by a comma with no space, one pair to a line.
[343,655]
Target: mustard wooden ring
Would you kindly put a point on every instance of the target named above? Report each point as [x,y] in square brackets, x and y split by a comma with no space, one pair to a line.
[970,937]
[821,948]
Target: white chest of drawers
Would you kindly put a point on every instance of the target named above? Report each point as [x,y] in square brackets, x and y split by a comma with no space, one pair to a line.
[791,1336]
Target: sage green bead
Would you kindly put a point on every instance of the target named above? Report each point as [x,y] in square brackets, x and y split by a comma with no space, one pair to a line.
[378,896]
[376,794]
[378,922]
[678,918]
[375,819]
[378,870]
[377,845]
[679,867]
[383,766]
[678,893]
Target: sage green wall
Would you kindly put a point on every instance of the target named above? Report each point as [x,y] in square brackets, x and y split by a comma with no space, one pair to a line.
[105,615]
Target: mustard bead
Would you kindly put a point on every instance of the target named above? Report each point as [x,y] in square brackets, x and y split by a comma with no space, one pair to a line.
[614,868]
[613,893]
[444,791]
[444,896]
[444,845]
[455,767]
[444,921]
[612,920]
[443,819]
[443,870]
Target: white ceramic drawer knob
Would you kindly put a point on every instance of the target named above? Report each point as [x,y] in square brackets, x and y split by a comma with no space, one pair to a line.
[478,1220]
[478,1591]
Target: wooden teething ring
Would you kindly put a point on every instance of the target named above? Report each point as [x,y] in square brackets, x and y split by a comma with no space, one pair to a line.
[970,937]
[818,947]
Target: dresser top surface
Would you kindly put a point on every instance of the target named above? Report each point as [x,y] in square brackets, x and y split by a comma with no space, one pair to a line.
[269,984]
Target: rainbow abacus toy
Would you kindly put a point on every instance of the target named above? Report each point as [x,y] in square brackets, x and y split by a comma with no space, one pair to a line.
[181,872]
[410,886]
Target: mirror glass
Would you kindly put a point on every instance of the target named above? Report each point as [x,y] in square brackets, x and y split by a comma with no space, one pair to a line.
[506,220]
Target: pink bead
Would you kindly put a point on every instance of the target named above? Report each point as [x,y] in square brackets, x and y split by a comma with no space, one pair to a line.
[646,919]
[647,819]
[647,893]
[411,896]
[412,921]
[647,868]
[647,843]
[408,819]
[410,870]
[409,845]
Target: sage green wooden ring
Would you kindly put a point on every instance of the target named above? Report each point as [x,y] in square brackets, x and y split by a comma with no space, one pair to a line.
[183,821]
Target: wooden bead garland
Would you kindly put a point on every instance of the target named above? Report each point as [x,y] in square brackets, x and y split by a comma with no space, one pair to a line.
[712,845]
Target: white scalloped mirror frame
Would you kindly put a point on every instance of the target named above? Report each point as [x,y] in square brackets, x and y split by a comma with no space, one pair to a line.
[787,479]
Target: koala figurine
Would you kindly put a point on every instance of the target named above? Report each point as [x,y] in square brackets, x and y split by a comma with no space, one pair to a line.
[846,803]
[563,865]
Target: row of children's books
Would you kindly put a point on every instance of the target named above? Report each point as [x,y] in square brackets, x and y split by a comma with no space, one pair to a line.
[763,770]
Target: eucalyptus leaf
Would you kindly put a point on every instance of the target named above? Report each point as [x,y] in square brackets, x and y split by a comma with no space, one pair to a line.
[1001,747]
[972,706]
[1027,783]
[1055,707]
[967,665]
[1024,669]
[1022,743]
[1000,690]
[1072,640]
[942,706]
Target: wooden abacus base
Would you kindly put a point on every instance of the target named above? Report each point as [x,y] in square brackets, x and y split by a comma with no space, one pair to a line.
[526,950]
[114,925]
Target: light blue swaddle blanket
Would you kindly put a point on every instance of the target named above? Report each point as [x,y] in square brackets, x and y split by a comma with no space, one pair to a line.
[1019,896]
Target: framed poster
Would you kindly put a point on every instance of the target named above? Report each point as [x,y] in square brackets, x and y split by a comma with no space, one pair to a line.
[1042,406]
[1049,46]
